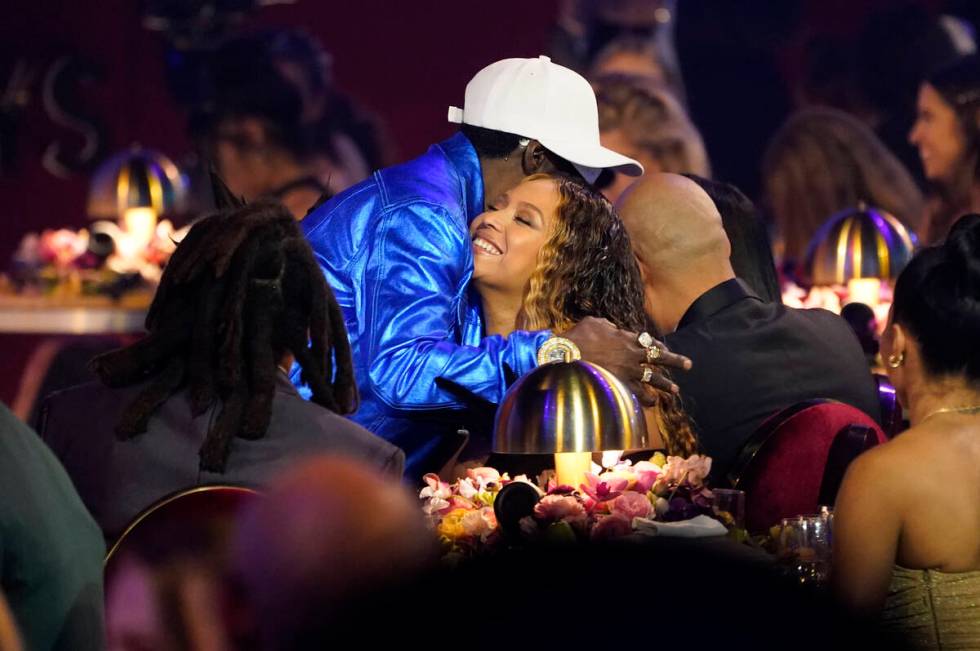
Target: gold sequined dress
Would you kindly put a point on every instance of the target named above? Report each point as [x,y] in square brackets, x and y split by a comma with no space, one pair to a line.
[928,609]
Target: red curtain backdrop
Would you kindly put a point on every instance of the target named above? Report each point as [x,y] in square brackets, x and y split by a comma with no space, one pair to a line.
[405,60]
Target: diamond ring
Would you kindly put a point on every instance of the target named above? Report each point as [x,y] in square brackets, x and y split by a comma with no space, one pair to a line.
[645,339]
[647,375]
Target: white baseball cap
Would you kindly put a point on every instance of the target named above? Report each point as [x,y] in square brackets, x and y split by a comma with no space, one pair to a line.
[538,99]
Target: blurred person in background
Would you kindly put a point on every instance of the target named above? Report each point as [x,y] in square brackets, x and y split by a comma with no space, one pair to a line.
[637,57]
[822,161]
[9,637]
[751,255]
[326,538]
[275,126]
[875,74]
[51,550]
[641,118]
[947,135]
[586,28]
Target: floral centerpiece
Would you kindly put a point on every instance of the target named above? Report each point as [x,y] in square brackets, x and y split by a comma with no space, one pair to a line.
[610,504]
[103,260]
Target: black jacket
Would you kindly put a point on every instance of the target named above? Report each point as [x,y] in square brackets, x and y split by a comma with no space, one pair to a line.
[117,480]
[753,358]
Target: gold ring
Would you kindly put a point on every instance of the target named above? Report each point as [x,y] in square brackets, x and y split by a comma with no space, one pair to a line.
[647,375]
[653,354]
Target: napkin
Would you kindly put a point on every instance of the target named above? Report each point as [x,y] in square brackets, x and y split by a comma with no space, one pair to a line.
[701,526]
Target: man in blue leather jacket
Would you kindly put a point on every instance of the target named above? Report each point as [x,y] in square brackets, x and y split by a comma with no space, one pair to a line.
[397,252]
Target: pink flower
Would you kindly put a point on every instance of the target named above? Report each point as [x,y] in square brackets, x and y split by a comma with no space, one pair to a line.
[561,507]
[692,470]
[646,475]
[460,502]
[611,527]
[631,505]
[436,493]
[699,467]
[62,246]
[467,489]
[600,490]
[483,476]
[479,523]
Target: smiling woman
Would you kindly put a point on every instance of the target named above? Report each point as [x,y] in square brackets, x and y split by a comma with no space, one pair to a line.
[947,135]
[506,242]
[551,252]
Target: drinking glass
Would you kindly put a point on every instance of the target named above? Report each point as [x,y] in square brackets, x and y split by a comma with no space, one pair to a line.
[731,502]
[804,547]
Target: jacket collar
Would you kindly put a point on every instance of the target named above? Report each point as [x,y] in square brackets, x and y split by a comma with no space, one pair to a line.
[462,156]
[715,300]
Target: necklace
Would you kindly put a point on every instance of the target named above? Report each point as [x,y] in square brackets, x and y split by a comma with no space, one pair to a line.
[973,409]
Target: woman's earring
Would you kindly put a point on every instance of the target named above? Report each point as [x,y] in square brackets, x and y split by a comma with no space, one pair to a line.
[894,361]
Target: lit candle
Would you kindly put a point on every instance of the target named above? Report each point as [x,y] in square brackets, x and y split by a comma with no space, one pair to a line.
[571,468]
[141,225]
[864,290]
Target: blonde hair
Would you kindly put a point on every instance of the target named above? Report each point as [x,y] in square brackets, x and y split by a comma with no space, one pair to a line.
[587,268]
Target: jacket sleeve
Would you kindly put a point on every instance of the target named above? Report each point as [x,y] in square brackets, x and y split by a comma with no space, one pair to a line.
[415,266]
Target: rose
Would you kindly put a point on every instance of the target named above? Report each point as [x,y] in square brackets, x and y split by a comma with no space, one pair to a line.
[561,507]
[631,505]
[611,527]
[478,523]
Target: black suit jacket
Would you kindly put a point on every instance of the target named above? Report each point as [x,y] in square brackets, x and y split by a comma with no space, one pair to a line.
[753,358]
[118,479]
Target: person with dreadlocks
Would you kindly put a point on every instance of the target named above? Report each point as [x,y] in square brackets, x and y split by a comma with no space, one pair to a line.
[205,397]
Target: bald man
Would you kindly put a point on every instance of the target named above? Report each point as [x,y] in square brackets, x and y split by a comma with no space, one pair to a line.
[751,358]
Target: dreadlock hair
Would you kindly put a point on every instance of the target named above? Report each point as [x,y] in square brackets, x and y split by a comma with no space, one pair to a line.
[587,268]
[241,290]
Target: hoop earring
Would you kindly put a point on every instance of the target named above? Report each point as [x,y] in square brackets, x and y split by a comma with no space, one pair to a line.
[894,361]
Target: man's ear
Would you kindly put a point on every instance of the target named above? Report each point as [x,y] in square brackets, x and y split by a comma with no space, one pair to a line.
[535,159]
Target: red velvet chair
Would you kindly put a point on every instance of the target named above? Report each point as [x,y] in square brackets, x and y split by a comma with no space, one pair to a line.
[796,460]
[196,520]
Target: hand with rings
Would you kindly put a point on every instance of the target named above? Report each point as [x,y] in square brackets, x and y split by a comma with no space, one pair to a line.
[630,357]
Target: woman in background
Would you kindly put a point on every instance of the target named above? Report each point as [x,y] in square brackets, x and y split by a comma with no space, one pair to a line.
[947,134]
[640,118]
[822,161]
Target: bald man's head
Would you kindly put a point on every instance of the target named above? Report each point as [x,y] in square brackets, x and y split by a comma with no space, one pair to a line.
[673,225]
[679,241]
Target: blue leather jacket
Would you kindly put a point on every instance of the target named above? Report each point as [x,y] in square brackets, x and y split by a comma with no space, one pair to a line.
[396,251]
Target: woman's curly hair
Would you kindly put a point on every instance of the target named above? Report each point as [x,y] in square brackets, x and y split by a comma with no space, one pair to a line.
[587,268]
